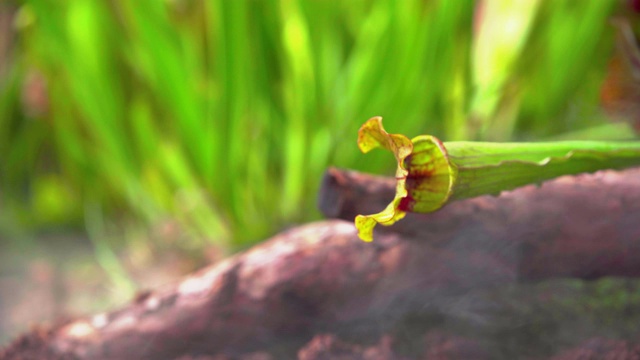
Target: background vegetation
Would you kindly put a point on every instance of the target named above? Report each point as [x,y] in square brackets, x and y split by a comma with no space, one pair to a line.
[219,117]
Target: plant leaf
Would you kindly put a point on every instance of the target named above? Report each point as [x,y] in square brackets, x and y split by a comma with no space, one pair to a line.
[430,174]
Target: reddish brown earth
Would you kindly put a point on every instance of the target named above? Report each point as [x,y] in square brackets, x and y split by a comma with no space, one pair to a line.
[537,273]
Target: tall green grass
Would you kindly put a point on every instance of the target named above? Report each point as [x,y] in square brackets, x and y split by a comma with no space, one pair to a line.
[222,115]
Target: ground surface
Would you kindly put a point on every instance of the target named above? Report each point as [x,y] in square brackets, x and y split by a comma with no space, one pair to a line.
[548,272]
[49,278]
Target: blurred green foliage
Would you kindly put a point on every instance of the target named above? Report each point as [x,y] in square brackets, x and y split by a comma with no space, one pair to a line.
[222,115]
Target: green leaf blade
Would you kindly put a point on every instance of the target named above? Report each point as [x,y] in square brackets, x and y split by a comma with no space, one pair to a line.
[568,158]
